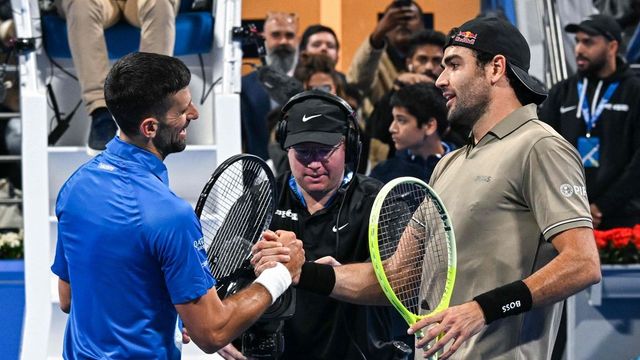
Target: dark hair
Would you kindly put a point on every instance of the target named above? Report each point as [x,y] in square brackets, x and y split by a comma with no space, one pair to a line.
[311,64]
[314,29]
[141,85]
[424,101]
[524,95]
[353,91]
[425,37]
[482,57]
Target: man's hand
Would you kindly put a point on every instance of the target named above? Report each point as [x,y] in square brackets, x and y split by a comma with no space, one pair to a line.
[393,17]
[596,214]
[296,253]
[281,246]
[230,352]
[457,323]
[267,252]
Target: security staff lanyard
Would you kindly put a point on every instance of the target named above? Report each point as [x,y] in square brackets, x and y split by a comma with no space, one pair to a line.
[592,116]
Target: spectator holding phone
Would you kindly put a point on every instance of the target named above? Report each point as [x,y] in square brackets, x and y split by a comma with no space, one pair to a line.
[381,57]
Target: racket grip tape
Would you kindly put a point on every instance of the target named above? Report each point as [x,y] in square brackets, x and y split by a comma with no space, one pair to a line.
[317,278]
[508,300]
[276,280]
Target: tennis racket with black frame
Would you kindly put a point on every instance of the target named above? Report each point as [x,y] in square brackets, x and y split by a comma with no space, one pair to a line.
[235,207]
[412,248]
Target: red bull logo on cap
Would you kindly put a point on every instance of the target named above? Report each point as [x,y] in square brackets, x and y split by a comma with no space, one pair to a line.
[466,37]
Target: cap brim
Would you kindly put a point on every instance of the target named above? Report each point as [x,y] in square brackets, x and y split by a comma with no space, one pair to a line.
[324,138]
[574,28]
[535,87]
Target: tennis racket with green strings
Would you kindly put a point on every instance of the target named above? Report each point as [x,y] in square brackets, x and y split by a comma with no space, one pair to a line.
[412,248]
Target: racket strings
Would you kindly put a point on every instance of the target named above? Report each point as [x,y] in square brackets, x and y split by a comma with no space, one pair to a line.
[411,239]
[235,238]
[436,257]
[240,198]
[232,242]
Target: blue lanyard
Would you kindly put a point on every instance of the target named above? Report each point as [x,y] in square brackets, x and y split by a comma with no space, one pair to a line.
[293,185]
[591,119]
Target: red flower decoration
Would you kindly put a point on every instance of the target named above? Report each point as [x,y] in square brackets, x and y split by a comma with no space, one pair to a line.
[621,237]
[619,245]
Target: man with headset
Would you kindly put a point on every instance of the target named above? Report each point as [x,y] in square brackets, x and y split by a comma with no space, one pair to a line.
[326,204]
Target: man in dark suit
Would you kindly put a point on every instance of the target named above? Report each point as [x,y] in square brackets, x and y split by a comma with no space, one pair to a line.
[280,31]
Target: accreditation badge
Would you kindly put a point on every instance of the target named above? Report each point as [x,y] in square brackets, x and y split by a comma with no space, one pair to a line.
[589,149]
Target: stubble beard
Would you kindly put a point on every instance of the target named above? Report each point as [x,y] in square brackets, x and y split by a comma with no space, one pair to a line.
[466,113]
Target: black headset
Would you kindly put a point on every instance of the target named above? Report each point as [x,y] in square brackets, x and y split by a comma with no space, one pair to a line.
[353,145]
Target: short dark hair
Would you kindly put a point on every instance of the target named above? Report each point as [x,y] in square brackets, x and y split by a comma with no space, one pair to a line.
[425,37]
[141,85]
[353,91]
[524,95]
[424,101]
[314,29]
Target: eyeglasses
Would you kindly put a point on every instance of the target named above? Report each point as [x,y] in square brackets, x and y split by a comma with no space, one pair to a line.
[307,154]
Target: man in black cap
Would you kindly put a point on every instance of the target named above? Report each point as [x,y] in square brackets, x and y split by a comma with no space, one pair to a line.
[327,204]
[597,111]
[517,202]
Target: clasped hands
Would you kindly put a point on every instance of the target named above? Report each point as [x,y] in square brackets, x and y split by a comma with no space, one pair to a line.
[281,247]
[278,247]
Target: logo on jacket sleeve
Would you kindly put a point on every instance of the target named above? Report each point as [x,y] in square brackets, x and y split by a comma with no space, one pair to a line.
[567,190]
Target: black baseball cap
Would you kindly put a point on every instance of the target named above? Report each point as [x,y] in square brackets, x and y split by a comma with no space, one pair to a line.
[598,24]
[315,120]
[499,37]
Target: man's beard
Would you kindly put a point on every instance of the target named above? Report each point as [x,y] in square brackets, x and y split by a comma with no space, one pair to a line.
[466,113]
[594,66]
[168,140]
[282,58]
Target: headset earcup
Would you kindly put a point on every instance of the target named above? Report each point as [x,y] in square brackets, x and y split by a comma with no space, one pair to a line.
[281,133]
[353,145]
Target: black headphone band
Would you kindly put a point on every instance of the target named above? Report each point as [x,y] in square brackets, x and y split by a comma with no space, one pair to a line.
[352,135]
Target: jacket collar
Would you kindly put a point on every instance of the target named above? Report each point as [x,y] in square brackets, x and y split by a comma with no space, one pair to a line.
[119,149]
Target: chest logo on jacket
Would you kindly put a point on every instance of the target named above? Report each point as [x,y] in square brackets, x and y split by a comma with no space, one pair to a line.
[287,214]
[340,228]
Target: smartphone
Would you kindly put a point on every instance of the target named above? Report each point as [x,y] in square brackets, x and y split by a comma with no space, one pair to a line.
[401,3]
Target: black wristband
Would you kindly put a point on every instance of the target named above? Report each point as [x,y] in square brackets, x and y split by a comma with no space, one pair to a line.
[317,278]
[511,299]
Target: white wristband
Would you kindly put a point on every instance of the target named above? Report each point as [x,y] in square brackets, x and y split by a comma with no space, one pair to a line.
[276,280]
